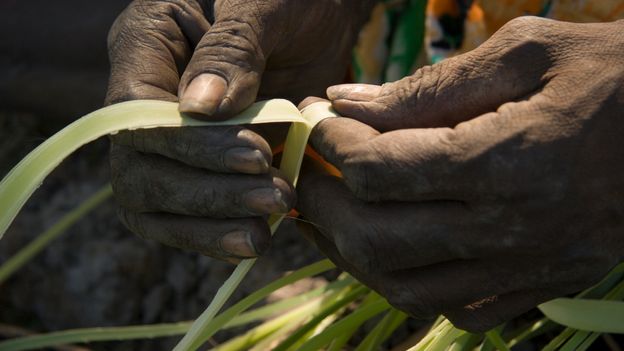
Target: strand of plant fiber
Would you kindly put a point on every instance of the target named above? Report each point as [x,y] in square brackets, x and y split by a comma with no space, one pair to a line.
[8,268]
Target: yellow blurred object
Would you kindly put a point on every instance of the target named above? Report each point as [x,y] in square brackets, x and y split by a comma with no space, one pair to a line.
[453,27]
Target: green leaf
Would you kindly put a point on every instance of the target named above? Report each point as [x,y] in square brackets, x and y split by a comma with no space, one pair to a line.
[356,318]
[584,314]
[34,247]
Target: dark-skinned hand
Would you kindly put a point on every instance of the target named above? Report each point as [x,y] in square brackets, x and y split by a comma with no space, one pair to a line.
[208,189]
[484,185]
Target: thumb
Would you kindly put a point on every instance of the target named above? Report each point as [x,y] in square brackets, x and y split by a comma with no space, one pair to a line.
[503,69]
[223,76]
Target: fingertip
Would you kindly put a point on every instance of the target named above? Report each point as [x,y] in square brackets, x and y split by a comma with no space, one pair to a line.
[202,97]
[309,101]
[353,92]
[336,91]
[239,243]
[246,160]
[348,108]
[288,194]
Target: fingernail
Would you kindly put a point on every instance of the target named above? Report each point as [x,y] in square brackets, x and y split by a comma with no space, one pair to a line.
[238,243]
[203,95]
[354,92]
[246,160]
[266,200]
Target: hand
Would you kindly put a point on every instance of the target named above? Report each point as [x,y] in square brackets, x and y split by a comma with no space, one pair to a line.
[486,184]
[208,189]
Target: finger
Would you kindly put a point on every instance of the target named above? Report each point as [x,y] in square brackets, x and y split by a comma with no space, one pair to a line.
[223,76]
[391,236]
[405,165]
[147,58]
[309,101]
[454,90]
[474,159]
[219,149]
[152,183]
[224,239]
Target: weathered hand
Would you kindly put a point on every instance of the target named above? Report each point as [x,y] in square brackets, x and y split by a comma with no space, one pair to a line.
[191,187]
[492,181]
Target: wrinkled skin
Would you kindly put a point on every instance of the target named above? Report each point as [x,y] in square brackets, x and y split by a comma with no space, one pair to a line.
[483,185]
[210,189]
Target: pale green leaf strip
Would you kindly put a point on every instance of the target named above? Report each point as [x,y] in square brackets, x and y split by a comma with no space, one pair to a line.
[584,314]
[286,304]
[356,318]
[537,328]
[94,334]
[374,339]
[575,341]
[445,338]
[339,343]
[283,323]
[333,303]
[559,339]
[198,332]
[588,342]
[496,340]
[466,342]
[438,326]
[398,318]
[34,247]
[590,314]
[210,327]
[265,334]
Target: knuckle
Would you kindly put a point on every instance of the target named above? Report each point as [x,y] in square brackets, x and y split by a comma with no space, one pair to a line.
[523,26]
[183,142]
[205,201]
[521,37]
[232,42]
